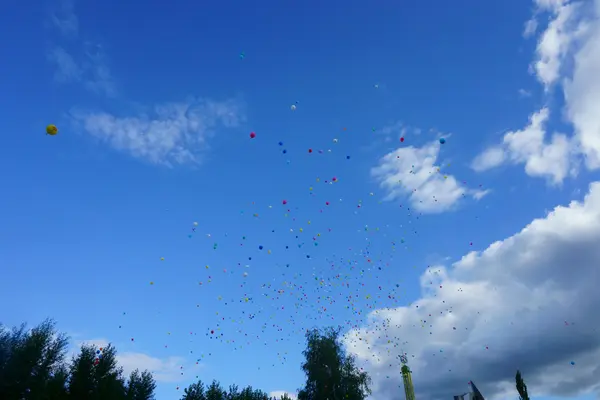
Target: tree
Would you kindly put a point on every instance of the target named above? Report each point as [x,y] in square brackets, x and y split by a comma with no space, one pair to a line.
[33,367]
[330,372]
[101,379]
[140,386]
[194,392]
[233,393]
[521,387]
[215,391]
[30,361]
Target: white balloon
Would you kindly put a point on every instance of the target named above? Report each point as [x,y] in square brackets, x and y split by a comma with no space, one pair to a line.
[293,107]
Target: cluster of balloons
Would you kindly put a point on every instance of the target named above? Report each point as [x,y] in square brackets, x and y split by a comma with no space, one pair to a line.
[98,356]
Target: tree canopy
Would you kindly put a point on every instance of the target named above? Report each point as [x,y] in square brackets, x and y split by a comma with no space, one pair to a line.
[33,366]
[330,372]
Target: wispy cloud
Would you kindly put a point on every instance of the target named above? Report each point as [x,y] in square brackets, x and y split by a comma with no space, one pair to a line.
[77,60]
[411,172]
[174,134]
[524,93]
[65,20]
[67,69]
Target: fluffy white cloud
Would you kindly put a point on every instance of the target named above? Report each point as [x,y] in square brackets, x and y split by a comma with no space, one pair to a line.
[527,302]
[567,53]
[412,172]
[555,41]
[528,146]
[582,89]
[176,133]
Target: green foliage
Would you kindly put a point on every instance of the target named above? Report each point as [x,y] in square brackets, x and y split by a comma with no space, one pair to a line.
[140,386]
[198,391]
[521,386]
[330,372]
[194,392]
[33,367]
[30,361]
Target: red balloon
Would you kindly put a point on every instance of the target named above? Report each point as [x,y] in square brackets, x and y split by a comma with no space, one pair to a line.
[310,150]
[402,139]
[252,135]
[284,202]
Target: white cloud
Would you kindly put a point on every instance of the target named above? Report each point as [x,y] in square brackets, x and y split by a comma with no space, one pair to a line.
[480,194]
[528,146]
[176,133]
[555,41]
[412,172]
[568,53]
[582,90]
[527,302]
[490,158]
[164,370]
[278,393]
[524,93]
[530,28]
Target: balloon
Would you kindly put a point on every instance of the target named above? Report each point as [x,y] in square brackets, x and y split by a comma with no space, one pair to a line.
[252,135]
[293,107]
[442,140]
[51,130]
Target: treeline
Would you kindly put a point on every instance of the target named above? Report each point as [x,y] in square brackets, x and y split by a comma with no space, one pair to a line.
[34,366]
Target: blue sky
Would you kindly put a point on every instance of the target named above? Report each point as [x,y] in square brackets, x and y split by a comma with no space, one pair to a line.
[155,106]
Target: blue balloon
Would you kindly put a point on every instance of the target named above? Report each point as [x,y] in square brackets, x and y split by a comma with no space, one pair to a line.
[442,140]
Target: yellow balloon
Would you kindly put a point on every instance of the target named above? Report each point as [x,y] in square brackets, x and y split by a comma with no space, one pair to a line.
[51,130]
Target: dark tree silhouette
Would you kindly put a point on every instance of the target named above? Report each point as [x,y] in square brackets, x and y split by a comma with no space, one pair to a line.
[140,386]
[521,387]
[330,372]
[33,367]
[195,391]
[30,361]
[215,391]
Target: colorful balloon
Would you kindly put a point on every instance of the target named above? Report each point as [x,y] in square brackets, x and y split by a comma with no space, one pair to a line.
[51,130]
